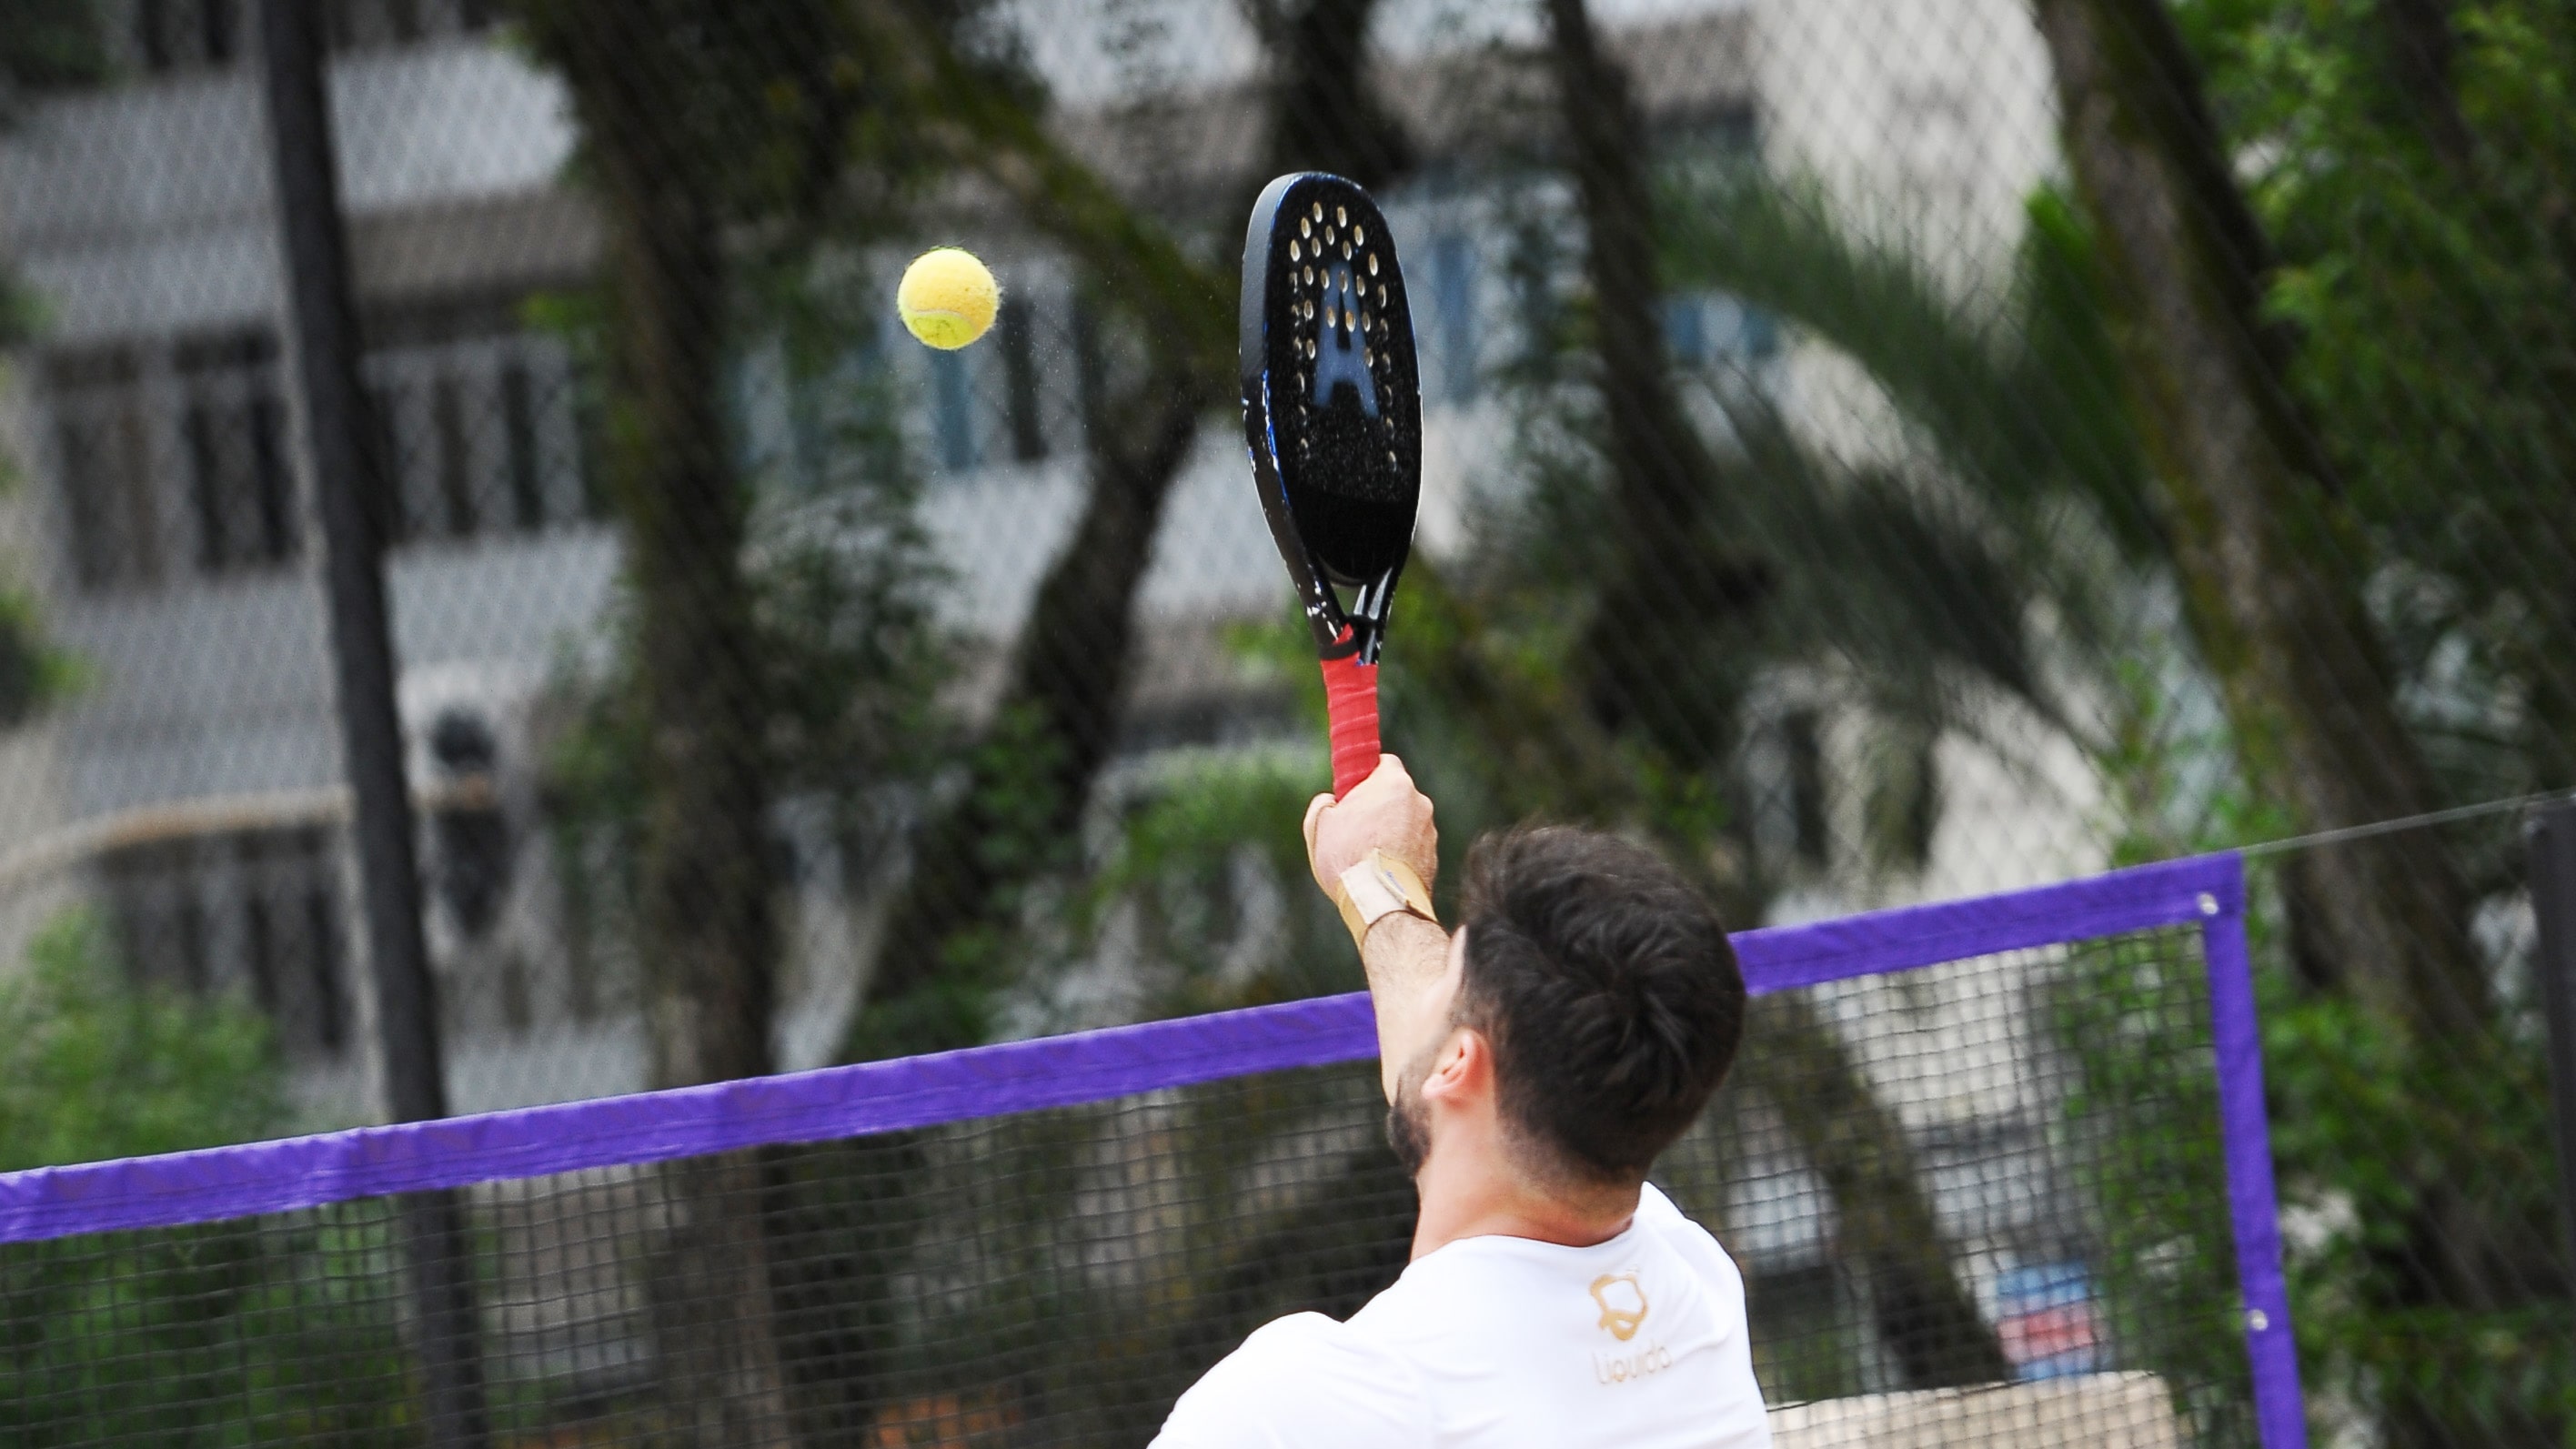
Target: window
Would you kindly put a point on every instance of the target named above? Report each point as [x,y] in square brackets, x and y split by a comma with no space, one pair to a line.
[1803,735]
[1786,777]
[1024,405]
[184,34]
[1015,398]
[104,455]
[253,911]
[952,412]
[1711,327]
[1686,328]
[173,458]
[178,458]
[166,36]
[233,461]
[1453,315]
[475,425]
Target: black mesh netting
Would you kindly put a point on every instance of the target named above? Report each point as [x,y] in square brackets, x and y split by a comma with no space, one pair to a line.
[2031,1193]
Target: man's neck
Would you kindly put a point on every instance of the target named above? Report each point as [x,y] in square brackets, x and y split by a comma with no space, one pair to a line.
[1474,1201]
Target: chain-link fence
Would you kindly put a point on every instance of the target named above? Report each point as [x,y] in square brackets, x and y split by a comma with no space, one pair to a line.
[1057,1237]
[1879,452]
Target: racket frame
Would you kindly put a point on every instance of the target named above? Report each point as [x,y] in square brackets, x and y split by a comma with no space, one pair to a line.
[1357,631]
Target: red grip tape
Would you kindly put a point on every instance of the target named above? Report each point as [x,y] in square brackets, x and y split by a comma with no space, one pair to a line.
[1350,703]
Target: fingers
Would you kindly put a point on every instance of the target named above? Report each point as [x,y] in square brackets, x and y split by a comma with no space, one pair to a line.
[1386,812]
[1390,769]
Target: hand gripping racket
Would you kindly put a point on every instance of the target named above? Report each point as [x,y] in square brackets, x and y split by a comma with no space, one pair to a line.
[1332,412]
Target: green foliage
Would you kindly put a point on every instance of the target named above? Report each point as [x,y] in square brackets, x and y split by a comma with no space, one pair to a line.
[2361,1123]
[2428,255]
[1904,585]
[30,672]
[19,313]
[1208,880]
[2417,199]
[1010,771]
[91,1067]
[2142,1121]
[227,1334]
[2012,402]
[851,652]
[234,1333]
[2019,400]
[2021,408]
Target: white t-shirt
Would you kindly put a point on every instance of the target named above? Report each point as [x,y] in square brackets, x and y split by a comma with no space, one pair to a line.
[1638,1343]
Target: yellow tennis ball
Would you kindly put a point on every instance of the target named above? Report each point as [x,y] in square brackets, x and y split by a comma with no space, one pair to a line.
[947,298]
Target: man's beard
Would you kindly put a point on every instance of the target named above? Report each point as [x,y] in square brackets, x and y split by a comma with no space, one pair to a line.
[1408,1121]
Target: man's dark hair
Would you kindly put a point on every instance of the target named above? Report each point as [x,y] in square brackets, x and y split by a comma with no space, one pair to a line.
[1609,991]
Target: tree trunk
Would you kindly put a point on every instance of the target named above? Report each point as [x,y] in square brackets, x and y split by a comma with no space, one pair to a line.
[716,1326]
[1030,776]
[1672,592]
[1324,116]
[2271,574]
[2269,564]
[706,930]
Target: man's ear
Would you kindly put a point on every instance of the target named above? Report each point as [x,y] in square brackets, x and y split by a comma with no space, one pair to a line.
[1462,1068]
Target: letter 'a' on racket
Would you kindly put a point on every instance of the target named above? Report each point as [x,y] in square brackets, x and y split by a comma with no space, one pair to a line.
[1332,412]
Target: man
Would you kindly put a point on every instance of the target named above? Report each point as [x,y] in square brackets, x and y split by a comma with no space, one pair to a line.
[1535,1062]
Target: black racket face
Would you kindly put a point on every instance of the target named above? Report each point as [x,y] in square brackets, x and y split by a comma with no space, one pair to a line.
[1332,394]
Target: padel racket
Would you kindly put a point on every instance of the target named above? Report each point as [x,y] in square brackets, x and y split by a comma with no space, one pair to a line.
[1332,413]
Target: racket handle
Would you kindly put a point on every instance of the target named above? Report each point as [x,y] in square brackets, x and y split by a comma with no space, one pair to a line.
[1350,703]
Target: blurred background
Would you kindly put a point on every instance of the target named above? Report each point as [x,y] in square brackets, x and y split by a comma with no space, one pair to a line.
[1875,452]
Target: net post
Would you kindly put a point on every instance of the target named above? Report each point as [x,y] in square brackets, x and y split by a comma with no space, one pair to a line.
[322,319]
[2253,1206]
[2549,863]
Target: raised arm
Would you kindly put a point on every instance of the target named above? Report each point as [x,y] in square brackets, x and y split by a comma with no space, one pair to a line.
[1407,956]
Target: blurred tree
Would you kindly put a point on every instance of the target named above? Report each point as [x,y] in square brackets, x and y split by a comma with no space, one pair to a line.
[2022,405]
[183,1335]
[678,142]
[1324,115]
[1673,606]
[1157,354]
[817,126]
[946,952]
[2275,567]
[2258,525]
[1684,610]
[705,127]
[2412,164]
[92,1067]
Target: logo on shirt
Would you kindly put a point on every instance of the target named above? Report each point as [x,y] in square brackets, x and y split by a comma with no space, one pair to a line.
[1622,1303]
[1621,1368]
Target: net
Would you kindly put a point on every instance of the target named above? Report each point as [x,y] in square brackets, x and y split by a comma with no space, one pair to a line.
[1984,1166]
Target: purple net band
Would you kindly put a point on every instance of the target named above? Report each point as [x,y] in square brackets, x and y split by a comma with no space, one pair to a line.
[837,1102]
